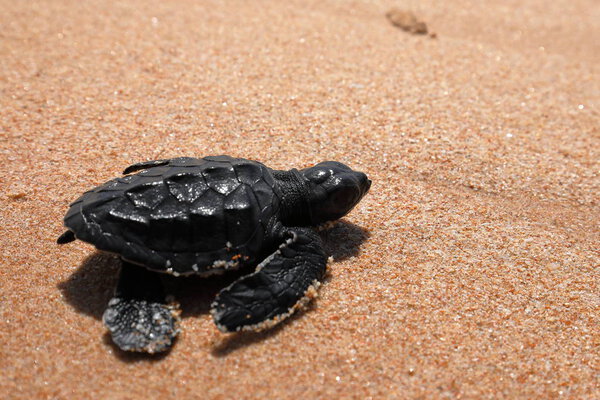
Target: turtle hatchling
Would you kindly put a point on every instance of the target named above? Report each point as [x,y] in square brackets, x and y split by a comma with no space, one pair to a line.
[203,216]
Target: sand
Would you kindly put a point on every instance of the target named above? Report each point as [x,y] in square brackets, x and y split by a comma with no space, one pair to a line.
[471,270]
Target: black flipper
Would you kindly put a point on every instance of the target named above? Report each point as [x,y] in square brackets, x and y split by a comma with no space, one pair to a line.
[66,237]
[139,317]
[284,282]
[144,165]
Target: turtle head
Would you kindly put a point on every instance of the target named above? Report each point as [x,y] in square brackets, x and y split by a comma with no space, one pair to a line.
[334,189]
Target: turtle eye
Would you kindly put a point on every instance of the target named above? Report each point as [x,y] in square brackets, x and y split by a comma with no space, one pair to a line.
[319,175]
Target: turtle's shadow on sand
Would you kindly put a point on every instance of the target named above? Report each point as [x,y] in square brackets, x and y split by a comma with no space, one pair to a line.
[91,286]
[343,240]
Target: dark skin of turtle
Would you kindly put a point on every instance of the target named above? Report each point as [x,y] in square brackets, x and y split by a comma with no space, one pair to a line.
[185,216]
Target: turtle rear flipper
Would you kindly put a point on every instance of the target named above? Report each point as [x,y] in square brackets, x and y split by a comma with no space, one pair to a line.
[283,283]
[66,237]
[138,317]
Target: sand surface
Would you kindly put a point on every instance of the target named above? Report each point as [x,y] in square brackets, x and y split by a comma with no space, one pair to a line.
[471,270]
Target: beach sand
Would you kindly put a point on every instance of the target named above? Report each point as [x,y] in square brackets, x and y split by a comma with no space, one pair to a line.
[471,269]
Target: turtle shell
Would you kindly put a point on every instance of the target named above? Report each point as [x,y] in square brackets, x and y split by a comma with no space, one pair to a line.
[185,216]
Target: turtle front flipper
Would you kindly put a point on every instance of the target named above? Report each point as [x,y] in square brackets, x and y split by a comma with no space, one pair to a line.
[145,165]
[138,316]
[284,282]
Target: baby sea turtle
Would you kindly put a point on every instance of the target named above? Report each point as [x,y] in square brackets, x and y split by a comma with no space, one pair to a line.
[185,216]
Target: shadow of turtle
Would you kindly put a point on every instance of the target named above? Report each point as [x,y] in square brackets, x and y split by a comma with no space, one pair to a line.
[89,289]
[343,240]
[237,340]
[92,285]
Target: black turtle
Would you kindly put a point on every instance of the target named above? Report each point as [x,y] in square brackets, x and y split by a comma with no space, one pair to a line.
[186,216]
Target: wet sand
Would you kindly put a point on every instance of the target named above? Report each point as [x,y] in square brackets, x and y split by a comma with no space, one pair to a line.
[471,270]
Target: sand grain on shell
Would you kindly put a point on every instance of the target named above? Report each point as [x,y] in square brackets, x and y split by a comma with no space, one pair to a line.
[470,270]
